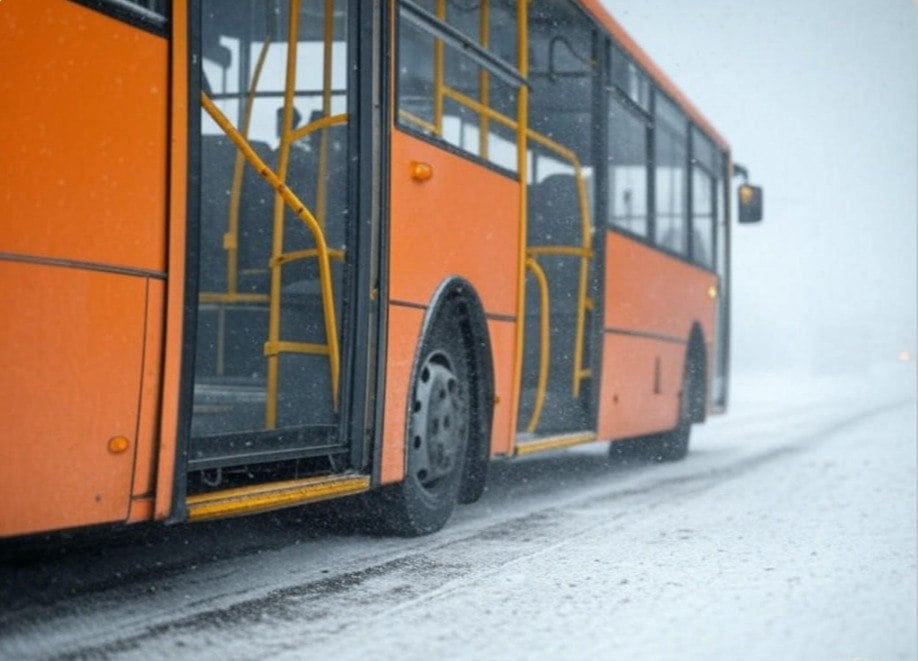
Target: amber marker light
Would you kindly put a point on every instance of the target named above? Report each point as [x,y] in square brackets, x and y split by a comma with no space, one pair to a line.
[746,194]
[421,171]
[712,292]
[118,444]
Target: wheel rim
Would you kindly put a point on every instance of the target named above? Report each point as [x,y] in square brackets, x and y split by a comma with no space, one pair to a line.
[439,424]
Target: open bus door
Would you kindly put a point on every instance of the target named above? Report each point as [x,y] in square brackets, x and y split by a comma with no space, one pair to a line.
[283,226]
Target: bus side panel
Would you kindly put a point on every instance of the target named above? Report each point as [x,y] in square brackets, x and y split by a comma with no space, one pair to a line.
[83,97]
[503,339]
[151,384]
[462,221]
[403,337]
[640,387]
[71,346]
[652,300]
[83,101]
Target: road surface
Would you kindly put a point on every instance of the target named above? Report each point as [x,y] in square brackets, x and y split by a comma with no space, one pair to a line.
[789,531]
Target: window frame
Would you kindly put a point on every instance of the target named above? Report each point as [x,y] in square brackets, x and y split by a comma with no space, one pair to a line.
[133,14]
[452,37]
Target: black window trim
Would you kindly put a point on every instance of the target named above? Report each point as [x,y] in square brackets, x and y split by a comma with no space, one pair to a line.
[132,14]
[428,22]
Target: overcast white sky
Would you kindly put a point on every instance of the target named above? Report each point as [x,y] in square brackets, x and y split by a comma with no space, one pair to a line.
[818,99]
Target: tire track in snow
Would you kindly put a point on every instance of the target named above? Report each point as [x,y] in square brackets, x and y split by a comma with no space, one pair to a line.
[324,608]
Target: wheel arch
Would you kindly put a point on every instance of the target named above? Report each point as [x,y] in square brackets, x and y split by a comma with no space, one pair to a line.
[456,296]
[696,357]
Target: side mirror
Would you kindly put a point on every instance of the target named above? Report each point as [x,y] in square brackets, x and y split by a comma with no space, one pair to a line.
[750,203]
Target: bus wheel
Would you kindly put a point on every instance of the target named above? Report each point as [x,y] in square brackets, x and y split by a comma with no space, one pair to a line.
[438,431]
[673,445]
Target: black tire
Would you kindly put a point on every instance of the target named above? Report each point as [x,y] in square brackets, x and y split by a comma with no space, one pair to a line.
[674,444]
[478,456]
[475,473]
[437,435]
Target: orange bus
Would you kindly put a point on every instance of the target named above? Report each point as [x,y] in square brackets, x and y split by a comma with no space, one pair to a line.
[257,253]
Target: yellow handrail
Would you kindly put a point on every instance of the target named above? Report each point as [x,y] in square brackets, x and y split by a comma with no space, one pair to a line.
[231,239]
[579,373]
[284,197]
[544,343]
[230,298]
[484,79]
[522,164]
[322,252]
[439,60]
[560,251]
[297,255]
[321,184]
[417,121]
[323,123]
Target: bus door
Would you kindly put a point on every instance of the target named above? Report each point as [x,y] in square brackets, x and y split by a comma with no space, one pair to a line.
[277,264]
[558,396]
[457,111]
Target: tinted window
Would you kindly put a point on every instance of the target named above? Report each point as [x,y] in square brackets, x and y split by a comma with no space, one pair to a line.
[670,177]
[629,79]
[627,170]
[451,115]
[704,199]
[154,10]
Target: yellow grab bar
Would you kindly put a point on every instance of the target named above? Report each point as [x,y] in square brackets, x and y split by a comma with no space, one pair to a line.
[544,343]
[322,251]
[322,123]
[584,251]
[411,118]
[231,241]
[484,79]
[326,110]
[298,255]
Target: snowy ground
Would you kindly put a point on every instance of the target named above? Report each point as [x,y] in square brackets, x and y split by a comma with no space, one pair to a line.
[789,532]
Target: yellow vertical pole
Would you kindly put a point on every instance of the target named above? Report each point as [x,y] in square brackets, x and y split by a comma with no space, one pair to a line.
[484,80]
[438,73]
[277,247]
[522,162]
[231,240]
[586,237]
[544,343]
[322,183]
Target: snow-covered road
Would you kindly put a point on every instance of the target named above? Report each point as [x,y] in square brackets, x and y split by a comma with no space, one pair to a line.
[788,532]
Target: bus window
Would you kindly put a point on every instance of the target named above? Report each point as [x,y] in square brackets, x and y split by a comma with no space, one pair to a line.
[670,178]
[455,107]
[158,7]
[702,217]
[629,80]
[704,199]
[628,168]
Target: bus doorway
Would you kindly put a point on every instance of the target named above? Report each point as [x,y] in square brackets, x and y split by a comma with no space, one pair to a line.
[278,272]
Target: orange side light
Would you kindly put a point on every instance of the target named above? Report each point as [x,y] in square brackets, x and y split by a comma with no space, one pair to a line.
[420,171]
[118,444]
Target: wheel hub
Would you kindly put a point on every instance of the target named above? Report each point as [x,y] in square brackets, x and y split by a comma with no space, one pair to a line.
[438,422]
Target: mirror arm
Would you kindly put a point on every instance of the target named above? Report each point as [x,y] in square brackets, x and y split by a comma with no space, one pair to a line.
[741,171]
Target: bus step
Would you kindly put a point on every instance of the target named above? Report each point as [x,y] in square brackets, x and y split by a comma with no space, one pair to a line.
[529,444]
[272,496]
